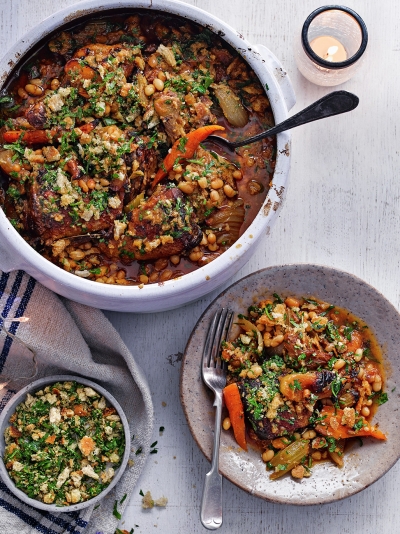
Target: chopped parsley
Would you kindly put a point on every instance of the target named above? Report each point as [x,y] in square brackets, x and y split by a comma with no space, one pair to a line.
[59,437]
[182,144]
[295,385]
[115,511]
[331,444]
[358,425]
[336,386]
[382,398]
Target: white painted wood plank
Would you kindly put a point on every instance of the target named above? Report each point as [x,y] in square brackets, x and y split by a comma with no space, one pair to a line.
[342,209]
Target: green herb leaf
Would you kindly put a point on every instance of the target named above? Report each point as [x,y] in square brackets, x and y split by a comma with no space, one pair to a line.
[115,511]
[310,301]
[358,425]
[382,398]
[316,417]
[6,100]
[108,122]
[336,385]
[347,331]
[332,333]
[182,144]
[332,444]
[295,385]
[15,146]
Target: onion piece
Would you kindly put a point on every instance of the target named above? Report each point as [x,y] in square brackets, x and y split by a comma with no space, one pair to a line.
[134,203]
[6,162]
[232,215]
[250,328]
[290,457]
[167,54]
[231,105]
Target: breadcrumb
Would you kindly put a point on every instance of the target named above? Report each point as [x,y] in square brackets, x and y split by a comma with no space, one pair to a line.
[149,502]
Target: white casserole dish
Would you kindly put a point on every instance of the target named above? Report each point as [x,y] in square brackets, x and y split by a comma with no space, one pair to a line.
[15,253]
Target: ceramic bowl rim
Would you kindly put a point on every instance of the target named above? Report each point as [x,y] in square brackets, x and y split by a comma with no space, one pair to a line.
[9,409]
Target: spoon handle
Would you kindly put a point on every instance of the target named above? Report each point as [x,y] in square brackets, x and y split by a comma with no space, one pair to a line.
[327,106]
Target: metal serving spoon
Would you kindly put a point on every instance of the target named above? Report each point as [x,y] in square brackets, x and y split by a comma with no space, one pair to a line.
[327,106]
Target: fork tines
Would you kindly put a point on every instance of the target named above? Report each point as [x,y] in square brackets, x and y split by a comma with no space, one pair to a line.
[218,331]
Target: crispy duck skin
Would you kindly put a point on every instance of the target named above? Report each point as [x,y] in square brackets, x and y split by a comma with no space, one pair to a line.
[314,358]
[52,224]
[36,115]
[168,107]
[287,418]
[285,422]
[159,228]
[140,177]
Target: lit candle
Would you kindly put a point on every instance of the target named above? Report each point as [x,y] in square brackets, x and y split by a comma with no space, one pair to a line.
[329,48]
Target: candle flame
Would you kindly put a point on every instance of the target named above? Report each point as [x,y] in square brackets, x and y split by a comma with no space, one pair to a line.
[332,50]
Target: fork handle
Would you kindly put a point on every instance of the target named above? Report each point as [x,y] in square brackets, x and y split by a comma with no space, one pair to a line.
[211,502]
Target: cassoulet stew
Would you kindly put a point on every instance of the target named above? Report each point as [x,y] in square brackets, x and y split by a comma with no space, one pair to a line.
[104,169]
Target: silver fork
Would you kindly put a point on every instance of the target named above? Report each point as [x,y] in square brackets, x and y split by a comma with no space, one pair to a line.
[214,376]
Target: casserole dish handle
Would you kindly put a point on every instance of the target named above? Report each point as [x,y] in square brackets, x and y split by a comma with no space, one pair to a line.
[282,77]
[7,262]
[10,260]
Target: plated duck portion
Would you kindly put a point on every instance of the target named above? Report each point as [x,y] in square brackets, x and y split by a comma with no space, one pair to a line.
[275,404]
[105,112]
[303,377]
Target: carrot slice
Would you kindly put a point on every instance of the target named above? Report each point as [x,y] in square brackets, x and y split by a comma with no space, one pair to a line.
[332,426]
[88,127]
[30,137]
[74,68]
[78,72]
[355,342]
[40,137]
[236,413]
[184,148]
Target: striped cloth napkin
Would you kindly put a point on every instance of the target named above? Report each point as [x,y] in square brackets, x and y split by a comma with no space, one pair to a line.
[68,338]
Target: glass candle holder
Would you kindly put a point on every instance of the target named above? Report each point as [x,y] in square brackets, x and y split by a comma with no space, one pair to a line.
[332,42]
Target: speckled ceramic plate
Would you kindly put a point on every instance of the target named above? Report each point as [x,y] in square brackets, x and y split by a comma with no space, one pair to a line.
[363,465]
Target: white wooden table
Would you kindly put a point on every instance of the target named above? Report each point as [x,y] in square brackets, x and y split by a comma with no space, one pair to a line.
[342,209]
